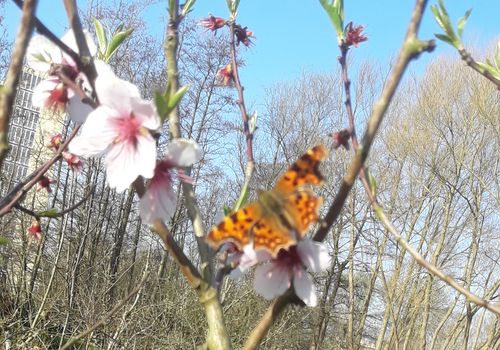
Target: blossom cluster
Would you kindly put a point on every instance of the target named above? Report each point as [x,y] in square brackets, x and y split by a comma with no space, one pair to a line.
[290,268]
[121,129]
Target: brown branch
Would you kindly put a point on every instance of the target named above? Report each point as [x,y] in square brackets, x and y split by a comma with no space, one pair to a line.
[467,58]
[244,115]
[103,320]
[429,266]
[46,32]
[24,186]
[411,48]
[8,91]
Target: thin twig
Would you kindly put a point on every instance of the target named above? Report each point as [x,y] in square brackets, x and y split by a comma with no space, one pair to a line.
[467,58]
[171,51]
[411,48]
[103,320]
[431,267]
[249,168]
[46,32]
[24,186]
[8,92]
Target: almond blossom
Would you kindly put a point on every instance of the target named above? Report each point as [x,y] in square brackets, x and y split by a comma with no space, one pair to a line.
[290,268]
[120,130]
[34,231]
[159,200]
[51,93]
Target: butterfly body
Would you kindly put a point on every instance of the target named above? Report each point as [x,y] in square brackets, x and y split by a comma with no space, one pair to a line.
[280,216]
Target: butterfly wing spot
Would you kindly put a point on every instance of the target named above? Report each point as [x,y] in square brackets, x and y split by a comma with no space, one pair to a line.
[302,208]
[235,227]
[270,234]
[305,171]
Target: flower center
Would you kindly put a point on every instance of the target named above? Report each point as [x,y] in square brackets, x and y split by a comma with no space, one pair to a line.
[128,130]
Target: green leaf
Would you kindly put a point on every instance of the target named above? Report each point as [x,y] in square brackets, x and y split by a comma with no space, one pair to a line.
[116,41]
[461,23]
[227,210]
[3,241]
[444,38]
[242,200]
[173,101]
[161,105]
[119,28]
[335,12]
[497,56]
[489,69]
[232,5]
[188,7]
[373,183]
[101,36]
[50,213]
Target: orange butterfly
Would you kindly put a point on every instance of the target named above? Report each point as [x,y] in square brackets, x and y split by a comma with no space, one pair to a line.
[281,215]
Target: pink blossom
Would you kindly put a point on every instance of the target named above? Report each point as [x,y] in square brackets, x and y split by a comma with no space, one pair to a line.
[51,93]
[160,199]
[289,267]
[354,35]
[72,160]
[226,74]
[44,183]
[213,23]
[242,260]
[120,130]
[35,231]
[55,142]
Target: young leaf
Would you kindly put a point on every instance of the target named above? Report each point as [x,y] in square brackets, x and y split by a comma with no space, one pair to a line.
[187,7]
[50,213]
[101,36]
[227,210]
[116,41]
[444,38]
[242,200]
[175,98]
[461,23]
[3,241]
[161,105]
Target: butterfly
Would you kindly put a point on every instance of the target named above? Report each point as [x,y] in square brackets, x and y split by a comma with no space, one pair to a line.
[280,216]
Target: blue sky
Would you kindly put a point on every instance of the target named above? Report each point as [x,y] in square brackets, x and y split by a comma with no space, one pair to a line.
[293,36]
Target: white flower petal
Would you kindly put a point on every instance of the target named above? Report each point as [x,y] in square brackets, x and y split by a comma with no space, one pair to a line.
[271,280]
[42,91]
[96,136]
[183,152]
[41,52]
[77,110]
[125,162]
[158,202]
[115,92]
[145,112]
[70,40]
[304,287]
[314,255]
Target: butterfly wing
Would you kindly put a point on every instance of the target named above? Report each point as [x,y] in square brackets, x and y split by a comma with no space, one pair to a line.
[305,171]
[270,234]
[235,227]
[301,209]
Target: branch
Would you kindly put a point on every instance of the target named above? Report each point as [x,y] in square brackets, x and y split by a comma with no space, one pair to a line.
[244,116]
[171,48]
[43,30]
[411,48]
[103,320]
[8,90]
[467,58]
[24,186]
[429,266]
